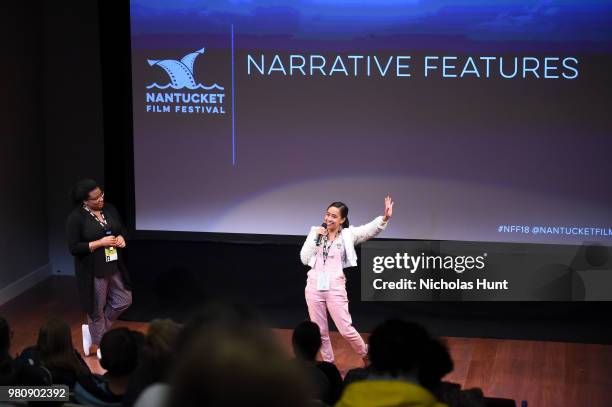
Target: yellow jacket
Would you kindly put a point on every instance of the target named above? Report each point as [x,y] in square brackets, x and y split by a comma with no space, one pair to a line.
[387,393]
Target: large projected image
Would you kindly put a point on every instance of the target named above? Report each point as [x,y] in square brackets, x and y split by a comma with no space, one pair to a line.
[484,122]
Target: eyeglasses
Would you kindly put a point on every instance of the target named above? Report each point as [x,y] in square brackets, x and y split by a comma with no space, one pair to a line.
[98,198]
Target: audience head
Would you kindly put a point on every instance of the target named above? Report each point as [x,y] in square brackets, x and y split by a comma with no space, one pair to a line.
[160,342]
[438,363]
[306,340]
[213,315]
[228,360]
[55,346]
[162,334]
[119,348]
[398,347]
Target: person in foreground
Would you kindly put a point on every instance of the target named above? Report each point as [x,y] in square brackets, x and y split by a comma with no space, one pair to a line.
[18,372]
[329,249]
[55,353]
[226,358]
[400,355]
[119,348]
[96,239]
[156,359]
[306,341]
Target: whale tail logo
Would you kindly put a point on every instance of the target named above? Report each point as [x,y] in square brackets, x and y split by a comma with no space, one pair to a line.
[180,72]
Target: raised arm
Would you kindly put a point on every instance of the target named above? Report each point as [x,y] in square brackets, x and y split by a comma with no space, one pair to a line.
[373,228]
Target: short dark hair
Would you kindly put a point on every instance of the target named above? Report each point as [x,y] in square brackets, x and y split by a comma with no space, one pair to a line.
[306,340]
[438,364]
[80,191]
[344,210]
[119,348]
[398,347]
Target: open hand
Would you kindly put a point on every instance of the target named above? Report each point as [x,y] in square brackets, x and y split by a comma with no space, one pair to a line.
[388,208]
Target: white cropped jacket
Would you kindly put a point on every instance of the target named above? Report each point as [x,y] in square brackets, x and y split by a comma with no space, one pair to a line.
[351,236]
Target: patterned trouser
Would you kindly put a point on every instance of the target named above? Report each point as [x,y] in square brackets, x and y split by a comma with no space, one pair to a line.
[111,298]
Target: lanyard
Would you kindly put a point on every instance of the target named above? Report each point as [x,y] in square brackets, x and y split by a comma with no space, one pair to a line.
[102,222]
[327,246]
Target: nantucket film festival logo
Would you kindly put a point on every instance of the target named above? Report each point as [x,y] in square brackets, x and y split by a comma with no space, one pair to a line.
[183,94]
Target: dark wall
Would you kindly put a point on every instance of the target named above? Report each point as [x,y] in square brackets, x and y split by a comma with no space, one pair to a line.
[51,132]
[72,100]
[23,233]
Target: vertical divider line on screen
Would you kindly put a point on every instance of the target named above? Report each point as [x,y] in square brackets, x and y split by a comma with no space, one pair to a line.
[233,103]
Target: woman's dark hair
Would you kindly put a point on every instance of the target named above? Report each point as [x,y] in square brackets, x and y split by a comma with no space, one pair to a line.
[397,347]
[119,349]
[230,360]
[306,340]
[160,344]
[438,363]
[80,191]
[343,212]
[55,347]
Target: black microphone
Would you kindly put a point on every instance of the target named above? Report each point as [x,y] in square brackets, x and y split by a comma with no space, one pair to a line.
[323,225]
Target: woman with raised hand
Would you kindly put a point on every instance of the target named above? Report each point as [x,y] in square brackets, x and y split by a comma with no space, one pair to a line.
[329,249]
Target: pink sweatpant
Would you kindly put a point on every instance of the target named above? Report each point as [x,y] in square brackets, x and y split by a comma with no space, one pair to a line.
[335,300]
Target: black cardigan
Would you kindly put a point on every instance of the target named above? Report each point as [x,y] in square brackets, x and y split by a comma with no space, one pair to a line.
[82,228]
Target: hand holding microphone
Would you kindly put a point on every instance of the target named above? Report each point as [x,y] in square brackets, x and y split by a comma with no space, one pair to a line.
[321,231]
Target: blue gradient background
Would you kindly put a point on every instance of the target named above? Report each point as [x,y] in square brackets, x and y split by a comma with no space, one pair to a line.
[461,157]
[520,25]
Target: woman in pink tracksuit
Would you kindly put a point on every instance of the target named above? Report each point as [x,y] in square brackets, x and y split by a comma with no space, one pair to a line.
[328,250]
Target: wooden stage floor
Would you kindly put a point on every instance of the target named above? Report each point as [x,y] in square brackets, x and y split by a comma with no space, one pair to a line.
[543,373]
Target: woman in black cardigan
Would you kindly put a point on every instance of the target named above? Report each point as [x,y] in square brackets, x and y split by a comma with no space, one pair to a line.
[96,239]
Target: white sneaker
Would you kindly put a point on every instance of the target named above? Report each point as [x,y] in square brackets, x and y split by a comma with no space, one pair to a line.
[86,339]
[99,354]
